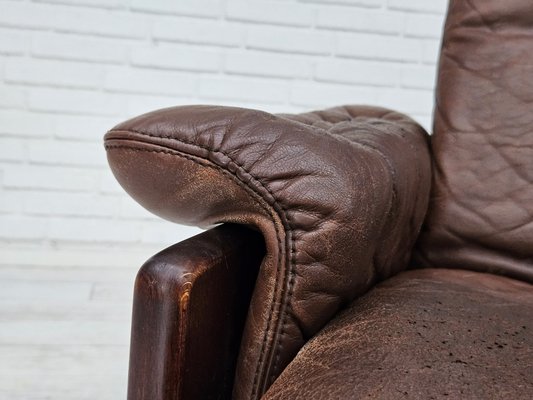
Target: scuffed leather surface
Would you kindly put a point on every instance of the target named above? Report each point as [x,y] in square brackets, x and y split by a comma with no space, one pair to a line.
[339,196]
[481,209]
[424,334]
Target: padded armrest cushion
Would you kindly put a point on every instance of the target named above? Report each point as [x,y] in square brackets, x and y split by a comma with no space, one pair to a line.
[339,196]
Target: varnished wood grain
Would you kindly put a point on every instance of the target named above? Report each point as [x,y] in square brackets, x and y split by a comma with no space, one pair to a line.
[190,304]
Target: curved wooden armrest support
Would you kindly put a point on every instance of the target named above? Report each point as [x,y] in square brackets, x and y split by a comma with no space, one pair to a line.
[189,308]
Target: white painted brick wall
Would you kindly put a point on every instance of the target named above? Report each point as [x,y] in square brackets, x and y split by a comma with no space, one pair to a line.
[71,69]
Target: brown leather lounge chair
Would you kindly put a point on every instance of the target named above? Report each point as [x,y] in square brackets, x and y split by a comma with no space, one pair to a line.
[360,258]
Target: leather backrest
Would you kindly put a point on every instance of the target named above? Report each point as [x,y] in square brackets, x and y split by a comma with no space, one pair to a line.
[481,209]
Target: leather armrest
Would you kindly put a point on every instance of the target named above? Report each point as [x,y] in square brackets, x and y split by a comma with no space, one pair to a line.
[339,196]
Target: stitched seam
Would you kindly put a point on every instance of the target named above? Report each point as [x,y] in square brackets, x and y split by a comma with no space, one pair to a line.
[277,343]
[288,305]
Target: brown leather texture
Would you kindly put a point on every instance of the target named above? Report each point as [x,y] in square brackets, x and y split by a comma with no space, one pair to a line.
[339,196]
[481,209]
[424,334]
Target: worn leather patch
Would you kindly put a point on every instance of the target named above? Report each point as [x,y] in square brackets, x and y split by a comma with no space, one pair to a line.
[423,334]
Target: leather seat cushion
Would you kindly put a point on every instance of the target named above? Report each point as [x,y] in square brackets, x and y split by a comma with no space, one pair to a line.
[434,333]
